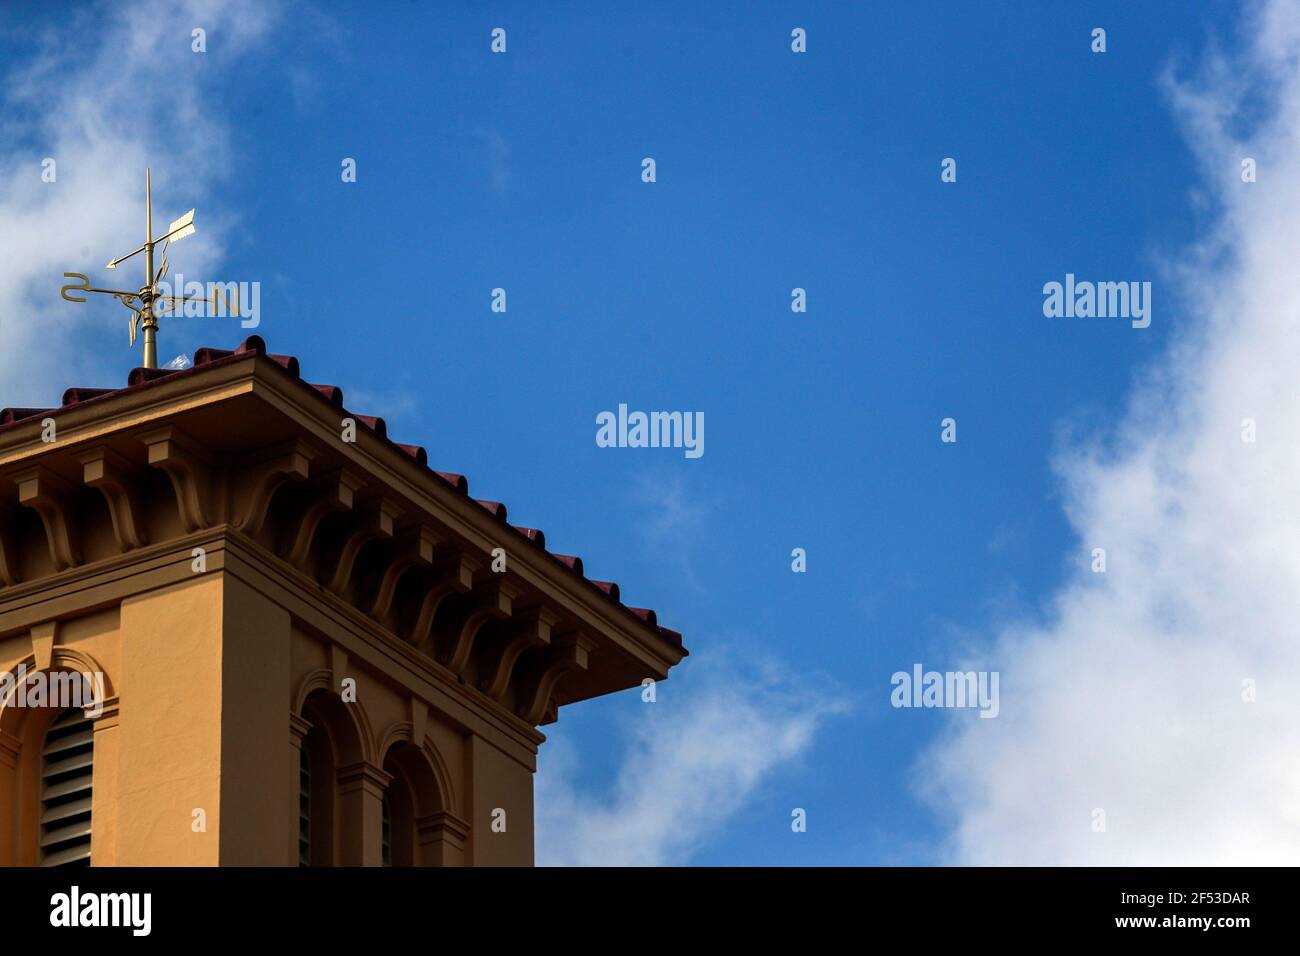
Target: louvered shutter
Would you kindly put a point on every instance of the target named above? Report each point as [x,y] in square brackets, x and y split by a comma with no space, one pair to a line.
[66,771]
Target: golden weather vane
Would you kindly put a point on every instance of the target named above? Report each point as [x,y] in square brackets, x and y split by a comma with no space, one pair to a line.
[151,302]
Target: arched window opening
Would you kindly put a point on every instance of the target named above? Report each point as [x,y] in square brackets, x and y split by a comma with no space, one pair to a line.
[67,765]
[410,789]
[317,789]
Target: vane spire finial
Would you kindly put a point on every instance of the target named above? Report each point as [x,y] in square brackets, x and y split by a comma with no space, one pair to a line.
[145,317]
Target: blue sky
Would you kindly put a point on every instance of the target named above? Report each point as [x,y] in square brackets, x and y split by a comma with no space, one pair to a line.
[775,170]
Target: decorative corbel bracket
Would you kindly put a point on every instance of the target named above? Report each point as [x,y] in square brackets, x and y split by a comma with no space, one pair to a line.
[492,600]
[263,474]
[189,468]
[376,519]
[50,497]
[416,546]
[117,480]
[530,627]
[332,492]
[454,575]
[8,545]
[569,652]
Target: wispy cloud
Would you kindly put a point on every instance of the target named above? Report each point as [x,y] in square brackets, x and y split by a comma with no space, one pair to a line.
[396,402]
[693,759]
[673,510]
[1131,698]
[132,94]
[497,157]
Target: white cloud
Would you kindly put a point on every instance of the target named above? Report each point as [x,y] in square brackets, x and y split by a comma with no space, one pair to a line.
[695,758]
[1128,698]
[115,89]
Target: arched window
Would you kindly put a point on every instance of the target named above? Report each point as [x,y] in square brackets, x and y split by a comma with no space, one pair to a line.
[67,758]
[316,798]
[411,785]
[331,743]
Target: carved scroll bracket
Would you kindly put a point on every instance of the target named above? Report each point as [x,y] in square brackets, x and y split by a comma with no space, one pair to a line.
[51,497]
[117,480]
[189,469]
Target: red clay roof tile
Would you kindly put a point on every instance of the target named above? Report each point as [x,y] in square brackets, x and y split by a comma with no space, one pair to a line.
[459,482]
[376,425]
[534,535]
[11,416]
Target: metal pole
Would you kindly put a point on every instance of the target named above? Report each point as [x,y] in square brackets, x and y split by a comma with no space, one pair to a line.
[148,323]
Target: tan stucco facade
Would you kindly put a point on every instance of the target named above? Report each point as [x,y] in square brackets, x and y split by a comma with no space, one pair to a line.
[310,650]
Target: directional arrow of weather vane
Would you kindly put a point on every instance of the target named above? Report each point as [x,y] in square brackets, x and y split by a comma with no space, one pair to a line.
[151,304]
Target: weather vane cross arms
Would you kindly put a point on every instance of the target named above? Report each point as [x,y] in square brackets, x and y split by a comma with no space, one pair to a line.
[151,303]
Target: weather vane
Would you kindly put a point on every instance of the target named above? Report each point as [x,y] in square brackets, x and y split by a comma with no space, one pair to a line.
[151,303]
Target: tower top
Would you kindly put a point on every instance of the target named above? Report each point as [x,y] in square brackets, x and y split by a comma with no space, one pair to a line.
[242,450]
